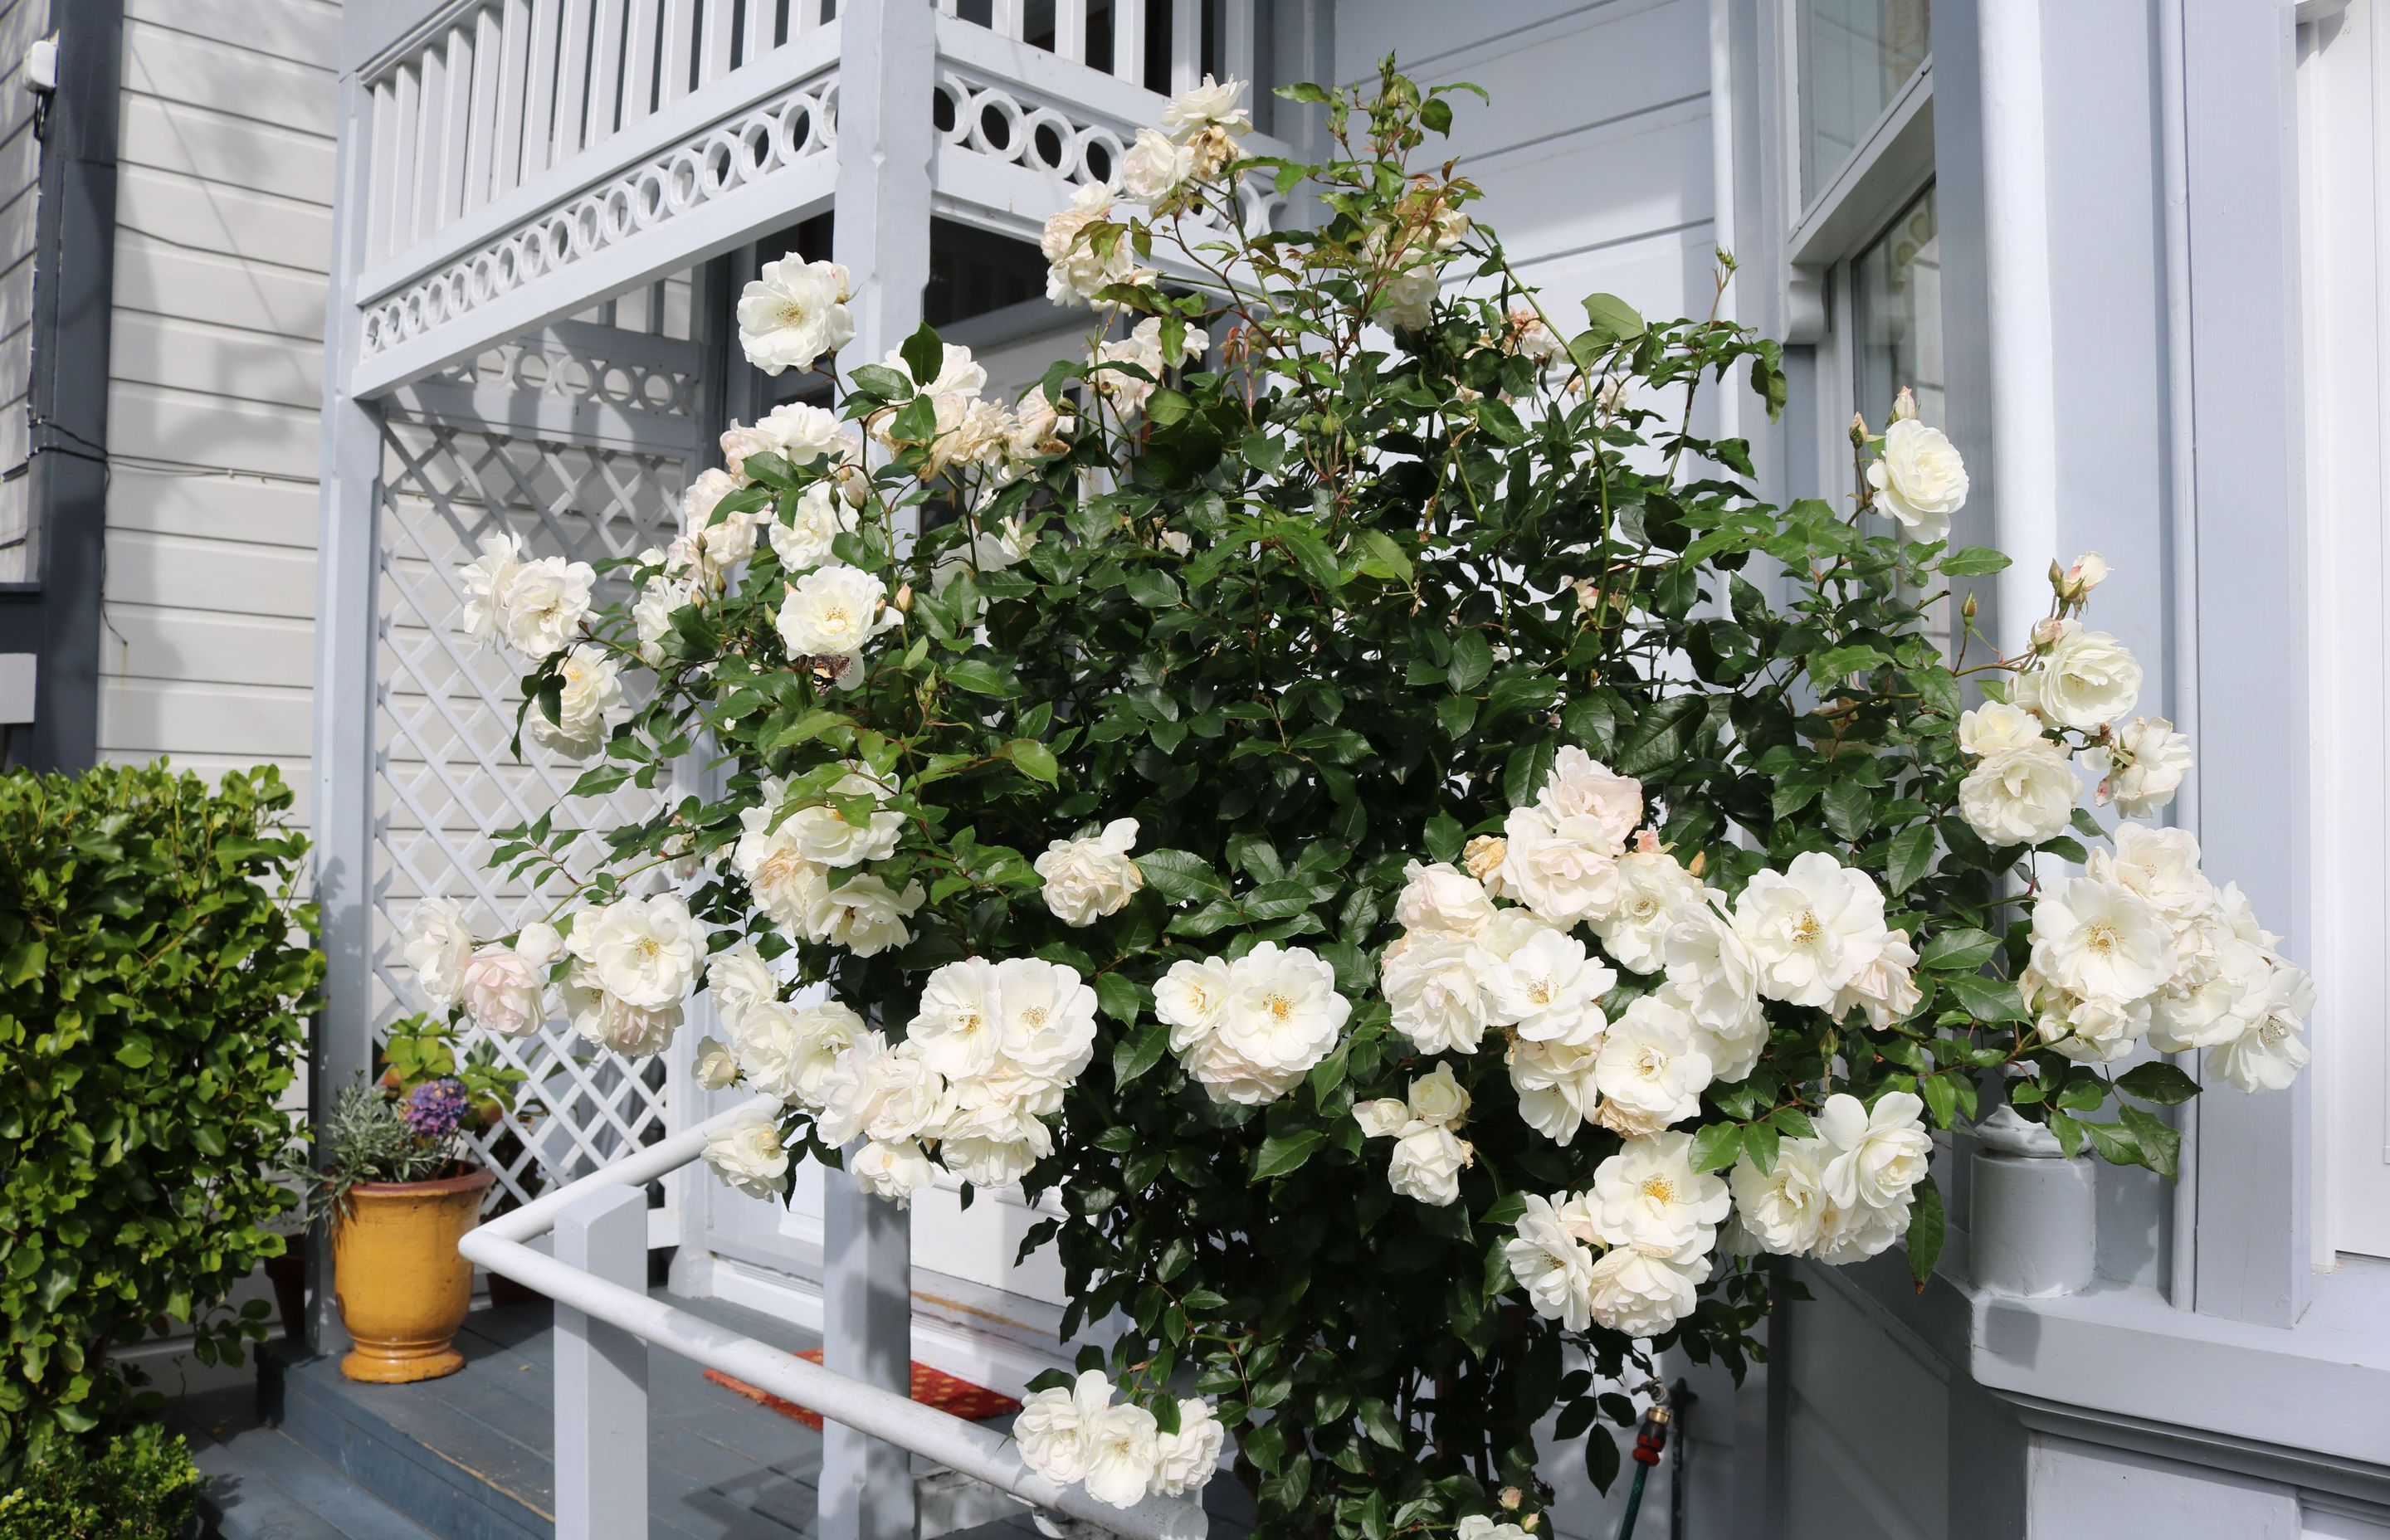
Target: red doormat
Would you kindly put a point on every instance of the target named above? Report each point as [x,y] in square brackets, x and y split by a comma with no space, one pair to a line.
[934,1388]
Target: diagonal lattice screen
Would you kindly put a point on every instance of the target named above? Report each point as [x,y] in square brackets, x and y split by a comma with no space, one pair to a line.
[497,446]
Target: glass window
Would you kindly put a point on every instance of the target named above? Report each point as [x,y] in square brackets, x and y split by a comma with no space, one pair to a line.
[1897,285]
[1855,54]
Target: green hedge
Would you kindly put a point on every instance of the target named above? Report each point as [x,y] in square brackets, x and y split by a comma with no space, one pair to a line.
[141,1487]
[154,975]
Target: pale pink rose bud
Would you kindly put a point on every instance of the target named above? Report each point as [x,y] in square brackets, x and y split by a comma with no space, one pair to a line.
[1648,841]
[1859,434]
[1904,406]
[2090,571]
[905,600]
[2047,632]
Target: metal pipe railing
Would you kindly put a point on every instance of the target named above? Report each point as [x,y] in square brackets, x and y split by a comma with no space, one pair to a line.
[984,1453]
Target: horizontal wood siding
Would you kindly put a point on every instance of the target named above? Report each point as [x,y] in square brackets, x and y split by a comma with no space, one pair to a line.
[224,235]
[21,22]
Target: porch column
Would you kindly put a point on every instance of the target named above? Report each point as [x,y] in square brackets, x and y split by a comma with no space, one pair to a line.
[881,234]
[347,622]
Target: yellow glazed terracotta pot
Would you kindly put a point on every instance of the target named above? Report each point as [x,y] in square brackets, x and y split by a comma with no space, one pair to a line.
[402,1287]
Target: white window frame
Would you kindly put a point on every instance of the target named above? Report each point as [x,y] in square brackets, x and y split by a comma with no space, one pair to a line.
[1825,234]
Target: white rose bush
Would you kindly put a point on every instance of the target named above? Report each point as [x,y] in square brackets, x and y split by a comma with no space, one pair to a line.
[1339,784]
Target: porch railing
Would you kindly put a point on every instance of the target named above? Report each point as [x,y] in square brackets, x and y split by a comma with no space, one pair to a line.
[607,1324]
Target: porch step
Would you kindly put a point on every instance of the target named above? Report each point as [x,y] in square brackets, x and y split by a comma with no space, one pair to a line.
[262,1484]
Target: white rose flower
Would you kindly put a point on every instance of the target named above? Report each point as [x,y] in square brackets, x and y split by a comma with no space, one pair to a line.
[790,889]
[1442,898]
[1430,980]
[1855,1235]
[1281,1016]
[818,518]
[645,952]
[2085,680]
[1532,337]
[1049,1019]
[2270,1054]
[1654,892]
[892,1170]
[1564,869]
[1052,1427]
[1550,989]
[1812,928]
[1784,1208]
[2095,1030]
[1643,1295]
[1713,978]
[438,947]
[1155,165]
[2020,796]
[822,835]
[1919,479]
[1885,988]
[960,1026]
[1994,725]
[543,604]
[1074,273]
[485,580]
[2162,865]
[1087,879]
[1185,1460]
[1124,1450]
[1581,785]
[1189,1000]
[825,1031]
[832,611]
[792,313]
[987,1163]
[2218,993]
[503,990]
[1649,1070]
[770,1049]
[740,980]
[1407,299]
[717,1067]
[725,543]
[660,599]
[958,374]
[607,1019]
[881,1093]
[2142,768]
[798,432]
[2100,940]
[1648,1198]
[1477,1526]
[1210,105]
[592,687]
[1874,1158]
[748,1155]
[1552,1260]
[866,916]
[1555,1082]
[1427,1164]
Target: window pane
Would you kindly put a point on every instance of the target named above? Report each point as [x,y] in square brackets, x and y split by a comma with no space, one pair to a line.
[1855,54]
[1898,282]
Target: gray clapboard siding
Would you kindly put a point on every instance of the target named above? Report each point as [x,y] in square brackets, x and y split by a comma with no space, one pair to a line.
[21,22]
[215,379]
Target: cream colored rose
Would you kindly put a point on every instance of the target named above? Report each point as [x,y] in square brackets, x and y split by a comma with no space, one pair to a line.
[1919,479]
[793,312]
[748,1155]
[1087,879]
[1155,165]
[505,992]
[439,948]
[2020,796]
[2085,680]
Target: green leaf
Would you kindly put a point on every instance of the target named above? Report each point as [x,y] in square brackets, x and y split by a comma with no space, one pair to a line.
[1988,1000]
[1908,856]
[1611,319]
[2159,1143]
[1473,658]
[982,677]
[1119,996]
[1181,876]
[1283,1153]
[1032,759]
[1962,950]
[1600,1459]
[1926,1227]
[1382,557]
[1529,765]
[1659,736]
[924,356]
[1155,590]
[1715,1145]
[1972,561]
[2159,1082]
[1849,808]
[1140,1051]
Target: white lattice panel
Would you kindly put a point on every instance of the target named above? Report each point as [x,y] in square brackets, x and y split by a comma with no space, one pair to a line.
[446,780]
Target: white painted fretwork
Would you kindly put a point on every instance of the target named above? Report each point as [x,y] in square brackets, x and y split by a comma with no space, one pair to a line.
[790,128]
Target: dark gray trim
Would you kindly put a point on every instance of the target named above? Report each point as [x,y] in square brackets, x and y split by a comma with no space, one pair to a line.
[74,275]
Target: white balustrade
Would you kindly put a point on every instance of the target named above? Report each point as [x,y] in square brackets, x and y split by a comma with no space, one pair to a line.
[618,1301]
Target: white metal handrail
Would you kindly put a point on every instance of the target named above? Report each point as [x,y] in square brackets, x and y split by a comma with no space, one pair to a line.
[501,1245]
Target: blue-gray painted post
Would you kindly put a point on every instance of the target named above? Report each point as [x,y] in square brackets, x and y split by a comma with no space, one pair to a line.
[347,622]
[601,1376]
[888,64]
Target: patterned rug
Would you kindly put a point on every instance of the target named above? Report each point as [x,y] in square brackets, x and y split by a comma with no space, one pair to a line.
[934,1388]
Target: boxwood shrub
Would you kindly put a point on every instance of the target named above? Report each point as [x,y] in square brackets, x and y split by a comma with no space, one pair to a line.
[155,971]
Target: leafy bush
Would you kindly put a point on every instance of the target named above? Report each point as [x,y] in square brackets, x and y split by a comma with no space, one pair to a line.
[1433,869]
[140,1486]
[154,975]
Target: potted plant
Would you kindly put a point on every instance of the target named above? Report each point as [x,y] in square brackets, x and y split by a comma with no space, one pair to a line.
[401,1187]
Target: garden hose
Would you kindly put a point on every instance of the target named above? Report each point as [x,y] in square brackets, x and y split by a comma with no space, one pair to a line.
[1650,1439]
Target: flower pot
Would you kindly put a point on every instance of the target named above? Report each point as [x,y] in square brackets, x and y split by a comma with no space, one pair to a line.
[400,1286]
